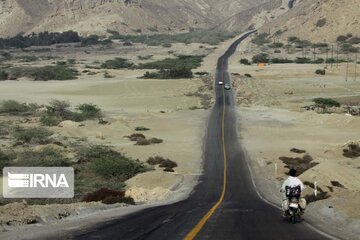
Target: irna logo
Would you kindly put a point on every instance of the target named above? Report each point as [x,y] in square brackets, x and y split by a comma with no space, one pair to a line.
[38,182]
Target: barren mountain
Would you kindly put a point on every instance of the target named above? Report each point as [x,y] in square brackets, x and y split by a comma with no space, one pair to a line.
[126,16]
[318,21]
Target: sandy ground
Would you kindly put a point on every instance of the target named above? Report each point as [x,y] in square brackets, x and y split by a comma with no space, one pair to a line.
[273,120]
[163,106]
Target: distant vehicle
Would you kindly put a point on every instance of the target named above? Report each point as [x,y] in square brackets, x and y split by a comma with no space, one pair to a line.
[220,83]
[227,86]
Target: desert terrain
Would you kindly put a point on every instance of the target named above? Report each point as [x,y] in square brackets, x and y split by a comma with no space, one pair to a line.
[273,120]
[170,109]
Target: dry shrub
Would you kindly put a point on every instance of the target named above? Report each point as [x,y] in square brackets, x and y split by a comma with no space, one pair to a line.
[155,140]
[321,195]
[352,150]
[301,164]
[143,142]
[108,196]
[136,136]
[295,150]
[163,162]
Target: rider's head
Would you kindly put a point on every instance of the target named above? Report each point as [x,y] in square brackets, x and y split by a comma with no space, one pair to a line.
[292,172]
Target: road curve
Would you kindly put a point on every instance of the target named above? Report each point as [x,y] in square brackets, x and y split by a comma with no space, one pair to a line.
[224,205]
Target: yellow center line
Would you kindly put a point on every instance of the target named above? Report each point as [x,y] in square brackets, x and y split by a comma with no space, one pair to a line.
[192,234]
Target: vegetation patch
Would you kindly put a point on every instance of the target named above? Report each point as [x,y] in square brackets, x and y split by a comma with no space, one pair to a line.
[197,36]
[352,150]
[261,39]
[47,157]
[301,164]
[261,58]
[141,128]
[182,61]
[4,161]
[59,111]
[162,162]
[320,71]
[337,184]
[296,150]
[35,135]
[108,196]
[58,72]
[117,166]
[13,107]
[117,63]
[40,39]
[321,194]
[245,61]
[174,73]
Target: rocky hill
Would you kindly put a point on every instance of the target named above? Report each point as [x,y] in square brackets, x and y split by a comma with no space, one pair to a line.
[126,16]
[317,21]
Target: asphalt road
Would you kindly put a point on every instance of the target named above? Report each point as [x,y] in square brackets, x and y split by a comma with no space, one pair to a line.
[224,204]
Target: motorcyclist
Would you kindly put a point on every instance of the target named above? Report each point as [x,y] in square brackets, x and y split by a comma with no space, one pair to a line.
[292,181]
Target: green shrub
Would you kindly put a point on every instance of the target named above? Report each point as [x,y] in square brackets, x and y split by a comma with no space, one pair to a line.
[302,43]
[117,63]
[293,39]
[13,107]
[3,75]
[167,45]
[146,57]
[57,72]
[320,45]
[261,39]
[47,157]
[90,40]
[71,61]
[89,111]
[31,135]
[28,58]
[4,161]
[303,60]
[212,37]
[319,61]
[320,71]
[354,40]
[261,58]
[174,73]
[50,120]
[276,45]
[321,22]
[6,55]
[142,129]
[116,166]
[187,61]
[281,60]
[136,136]
[127,43]
[348,48]
[327,102]
[245,61]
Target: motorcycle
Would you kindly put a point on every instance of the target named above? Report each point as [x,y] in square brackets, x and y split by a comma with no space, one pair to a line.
[291,205]
[294,209]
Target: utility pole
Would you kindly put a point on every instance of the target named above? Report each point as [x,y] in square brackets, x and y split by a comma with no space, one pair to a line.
[314,53]
[337,54]
[327,56]
[347,68]
[332,55]
[355,67]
